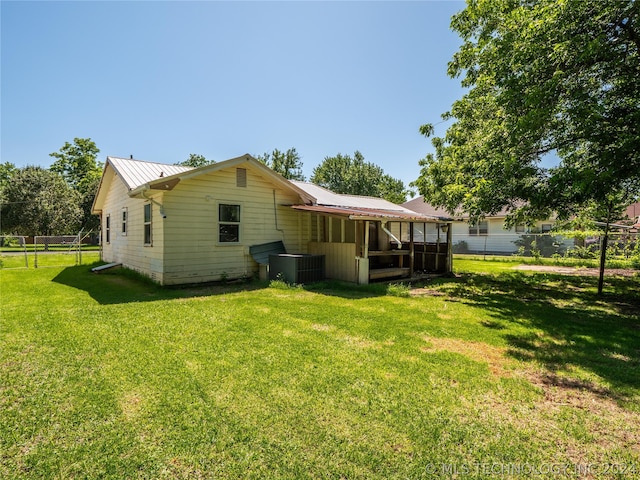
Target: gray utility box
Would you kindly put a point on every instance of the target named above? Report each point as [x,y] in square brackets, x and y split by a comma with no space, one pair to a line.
[296,267]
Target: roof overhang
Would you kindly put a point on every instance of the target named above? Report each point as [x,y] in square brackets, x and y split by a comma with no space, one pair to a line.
[353,213]
[169,182]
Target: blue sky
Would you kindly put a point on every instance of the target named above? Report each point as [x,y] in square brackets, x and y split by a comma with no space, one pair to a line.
[161,80]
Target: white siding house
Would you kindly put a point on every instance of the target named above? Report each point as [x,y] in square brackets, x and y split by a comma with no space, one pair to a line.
[489,235]
[179,225]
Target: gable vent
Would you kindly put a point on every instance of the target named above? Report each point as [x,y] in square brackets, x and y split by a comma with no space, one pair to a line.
[241,177]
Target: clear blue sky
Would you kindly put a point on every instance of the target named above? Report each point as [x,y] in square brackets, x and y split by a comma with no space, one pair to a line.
[161,80]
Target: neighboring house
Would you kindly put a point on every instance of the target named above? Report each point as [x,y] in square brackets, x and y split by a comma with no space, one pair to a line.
[180,225]
[633,214]
[488,235]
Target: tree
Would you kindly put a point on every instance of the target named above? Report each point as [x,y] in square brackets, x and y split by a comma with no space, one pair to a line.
[78,165]
[39,202]
[354,176]
[543,77]
[7,170]
[195,160]
[288,164]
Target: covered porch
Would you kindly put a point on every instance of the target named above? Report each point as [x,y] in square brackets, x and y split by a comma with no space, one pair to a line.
[365,245]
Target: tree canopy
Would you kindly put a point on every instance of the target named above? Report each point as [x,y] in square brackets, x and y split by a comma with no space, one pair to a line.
[544,77]
[40,202]
[77,163]
[288,164]
[7,170]
[354,176]
[195,160]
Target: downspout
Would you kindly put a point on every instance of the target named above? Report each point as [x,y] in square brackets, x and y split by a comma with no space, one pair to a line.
[275,213]
[162,214]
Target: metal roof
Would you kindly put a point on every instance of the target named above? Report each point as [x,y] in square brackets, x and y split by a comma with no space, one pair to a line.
[135,173]
[355,213]
[329,198]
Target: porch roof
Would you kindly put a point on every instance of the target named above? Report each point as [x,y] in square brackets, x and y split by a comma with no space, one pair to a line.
[358,213]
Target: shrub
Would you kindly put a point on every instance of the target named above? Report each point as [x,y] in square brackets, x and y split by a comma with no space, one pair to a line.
[281,284]
[590,251]
[398,290]
[461,247]
[538,246]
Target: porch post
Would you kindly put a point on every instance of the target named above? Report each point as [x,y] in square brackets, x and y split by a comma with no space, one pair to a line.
[411,248]
[366,239]
[437,262]
[449,248]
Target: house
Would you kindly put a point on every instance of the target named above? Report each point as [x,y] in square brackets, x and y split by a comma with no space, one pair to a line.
[633,214]
[180,225]
[488,235]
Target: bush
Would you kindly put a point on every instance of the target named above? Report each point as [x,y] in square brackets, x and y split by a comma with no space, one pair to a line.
[10,241]
[538,246]
[398,290]
[590,251]
[281,284]
[461,247]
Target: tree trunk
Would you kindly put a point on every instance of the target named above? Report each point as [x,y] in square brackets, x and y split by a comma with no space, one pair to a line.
[603,253]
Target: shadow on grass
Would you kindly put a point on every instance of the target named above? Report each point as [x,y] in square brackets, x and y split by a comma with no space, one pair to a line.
[127,286]
[350,291]
[568,327]
[124,286]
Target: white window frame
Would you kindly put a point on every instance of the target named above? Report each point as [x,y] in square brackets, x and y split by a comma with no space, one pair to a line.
[147,224]
[474,230]
[221,222]
[125,220]
[107,228]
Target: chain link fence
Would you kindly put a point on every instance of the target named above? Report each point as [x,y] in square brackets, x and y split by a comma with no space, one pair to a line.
[49,250]
[621,245]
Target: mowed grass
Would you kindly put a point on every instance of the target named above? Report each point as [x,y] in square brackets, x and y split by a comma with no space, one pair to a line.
[107,376]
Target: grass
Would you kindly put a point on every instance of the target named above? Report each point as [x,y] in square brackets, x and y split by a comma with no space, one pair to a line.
[107,376]
[611,262]
[18,260]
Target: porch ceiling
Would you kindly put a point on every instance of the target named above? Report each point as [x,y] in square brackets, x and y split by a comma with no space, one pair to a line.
[354,213]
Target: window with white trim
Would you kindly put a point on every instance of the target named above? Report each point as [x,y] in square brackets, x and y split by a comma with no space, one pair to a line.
[147,224]
[124,221]
[520,228]
[228,223]
[480,228]
[546,227]
[107,229]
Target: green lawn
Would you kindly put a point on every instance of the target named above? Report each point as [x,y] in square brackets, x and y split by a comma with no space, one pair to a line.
[107,376]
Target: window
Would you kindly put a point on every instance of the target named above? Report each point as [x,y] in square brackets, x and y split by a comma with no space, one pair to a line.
[481,228]
[228,223]
[107,229]
[520,228]
[147,224]
[546,227]
[124,221]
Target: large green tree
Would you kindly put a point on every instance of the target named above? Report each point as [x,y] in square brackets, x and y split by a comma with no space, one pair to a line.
[288,164]
[354,176]
[557,77]
[40,202]
[7,170]
[77,163]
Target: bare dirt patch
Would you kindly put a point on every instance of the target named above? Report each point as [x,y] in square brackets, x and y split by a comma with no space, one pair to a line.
[581,271]
[476,351]
[423,291]
[610,426]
